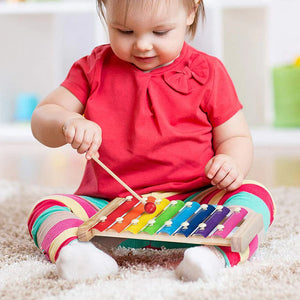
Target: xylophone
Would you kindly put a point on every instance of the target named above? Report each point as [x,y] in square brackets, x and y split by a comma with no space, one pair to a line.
[175,221]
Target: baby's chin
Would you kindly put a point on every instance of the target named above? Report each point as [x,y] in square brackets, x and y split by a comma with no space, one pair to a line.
[149,68]
[145,69]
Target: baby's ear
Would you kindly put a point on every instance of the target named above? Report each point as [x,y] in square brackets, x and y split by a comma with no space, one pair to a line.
[191,17]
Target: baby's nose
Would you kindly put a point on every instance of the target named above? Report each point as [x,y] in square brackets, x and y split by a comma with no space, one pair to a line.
[143,44]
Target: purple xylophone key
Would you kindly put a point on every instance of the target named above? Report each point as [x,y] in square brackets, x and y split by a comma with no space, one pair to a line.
[213,220]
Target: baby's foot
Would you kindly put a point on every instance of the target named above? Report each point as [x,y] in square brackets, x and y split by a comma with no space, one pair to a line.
[82,260]
[200,262]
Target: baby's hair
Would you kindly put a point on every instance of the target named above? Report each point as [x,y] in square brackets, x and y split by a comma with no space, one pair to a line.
[189,4]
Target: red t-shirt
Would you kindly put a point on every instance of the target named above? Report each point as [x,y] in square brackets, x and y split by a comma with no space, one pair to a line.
[156,126]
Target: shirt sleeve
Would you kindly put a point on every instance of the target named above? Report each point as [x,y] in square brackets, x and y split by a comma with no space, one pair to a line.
[222,102]
[80,77]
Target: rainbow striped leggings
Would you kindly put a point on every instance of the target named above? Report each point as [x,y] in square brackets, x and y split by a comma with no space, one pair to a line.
[54,220]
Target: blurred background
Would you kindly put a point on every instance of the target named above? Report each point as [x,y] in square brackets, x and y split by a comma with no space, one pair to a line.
[257,40]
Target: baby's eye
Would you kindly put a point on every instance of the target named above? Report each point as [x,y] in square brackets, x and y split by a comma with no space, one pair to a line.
[164,32]
[125,31]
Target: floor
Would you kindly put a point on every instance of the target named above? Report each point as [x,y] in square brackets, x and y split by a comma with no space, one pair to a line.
[35,164]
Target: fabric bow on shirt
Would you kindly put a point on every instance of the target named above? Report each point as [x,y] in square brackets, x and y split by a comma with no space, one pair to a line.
[180,80]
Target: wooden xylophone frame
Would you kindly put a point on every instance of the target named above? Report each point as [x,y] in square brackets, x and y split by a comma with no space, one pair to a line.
[239,240]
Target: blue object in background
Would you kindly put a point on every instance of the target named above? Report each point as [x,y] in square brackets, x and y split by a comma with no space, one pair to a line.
[25,105]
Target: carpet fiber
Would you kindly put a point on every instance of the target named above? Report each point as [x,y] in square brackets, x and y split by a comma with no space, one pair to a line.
[273,272]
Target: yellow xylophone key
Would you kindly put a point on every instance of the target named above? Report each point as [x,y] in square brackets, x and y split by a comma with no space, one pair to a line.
[141,222]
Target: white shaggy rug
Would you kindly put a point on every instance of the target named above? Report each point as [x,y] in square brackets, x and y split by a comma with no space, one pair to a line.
[273,272]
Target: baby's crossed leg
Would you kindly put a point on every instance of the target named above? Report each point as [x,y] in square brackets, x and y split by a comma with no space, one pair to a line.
[205,262]
[53,225]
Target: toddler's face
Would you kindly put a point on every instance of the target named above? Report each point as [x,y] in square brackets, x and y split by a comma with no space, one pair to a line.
[147,36]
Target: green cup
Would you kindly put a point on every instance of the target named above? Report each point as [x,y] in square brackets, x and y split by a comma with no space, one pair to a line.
[286,83]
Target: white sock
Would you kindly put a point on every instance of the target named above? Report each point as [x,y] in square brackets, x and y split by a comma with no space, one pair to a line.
[82,260]
[200,263]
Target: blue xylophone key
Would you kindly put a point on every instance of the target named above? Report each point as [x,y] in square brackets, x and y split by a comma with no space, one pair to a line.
[183,214]
[216,217]
[191,224]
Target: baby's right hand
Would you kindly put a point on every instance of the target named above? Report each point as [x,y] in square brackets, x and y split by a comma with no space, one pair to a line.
[85,136]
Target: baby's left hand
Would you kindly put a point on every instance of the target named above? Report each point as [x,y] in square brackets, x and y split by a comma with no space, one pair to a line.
[224,173]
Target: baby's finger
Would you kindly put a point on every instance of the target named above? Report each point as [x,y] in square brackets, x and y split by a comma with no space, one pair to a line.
[78,138]
[69,133]
[86,142]
[212,168]
[230,177]
[221,174]
[93,149]
[235,184]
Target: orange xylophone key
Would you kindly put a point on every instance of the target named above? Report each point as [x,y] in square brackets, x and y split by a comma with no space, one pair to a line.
[132,214]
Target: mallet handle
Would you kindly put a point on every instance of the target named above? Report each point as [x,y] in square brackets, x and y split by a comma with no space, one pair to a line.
[112,174]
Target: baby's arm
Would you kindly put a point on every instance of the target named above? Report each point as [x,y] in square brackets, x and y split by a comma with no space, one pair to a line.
[58,120]
[233,147]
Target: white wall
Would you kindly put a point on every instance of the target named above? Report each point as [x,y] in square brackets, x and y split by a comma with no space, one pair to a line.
[24,57]
[284,31]
[37,52]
